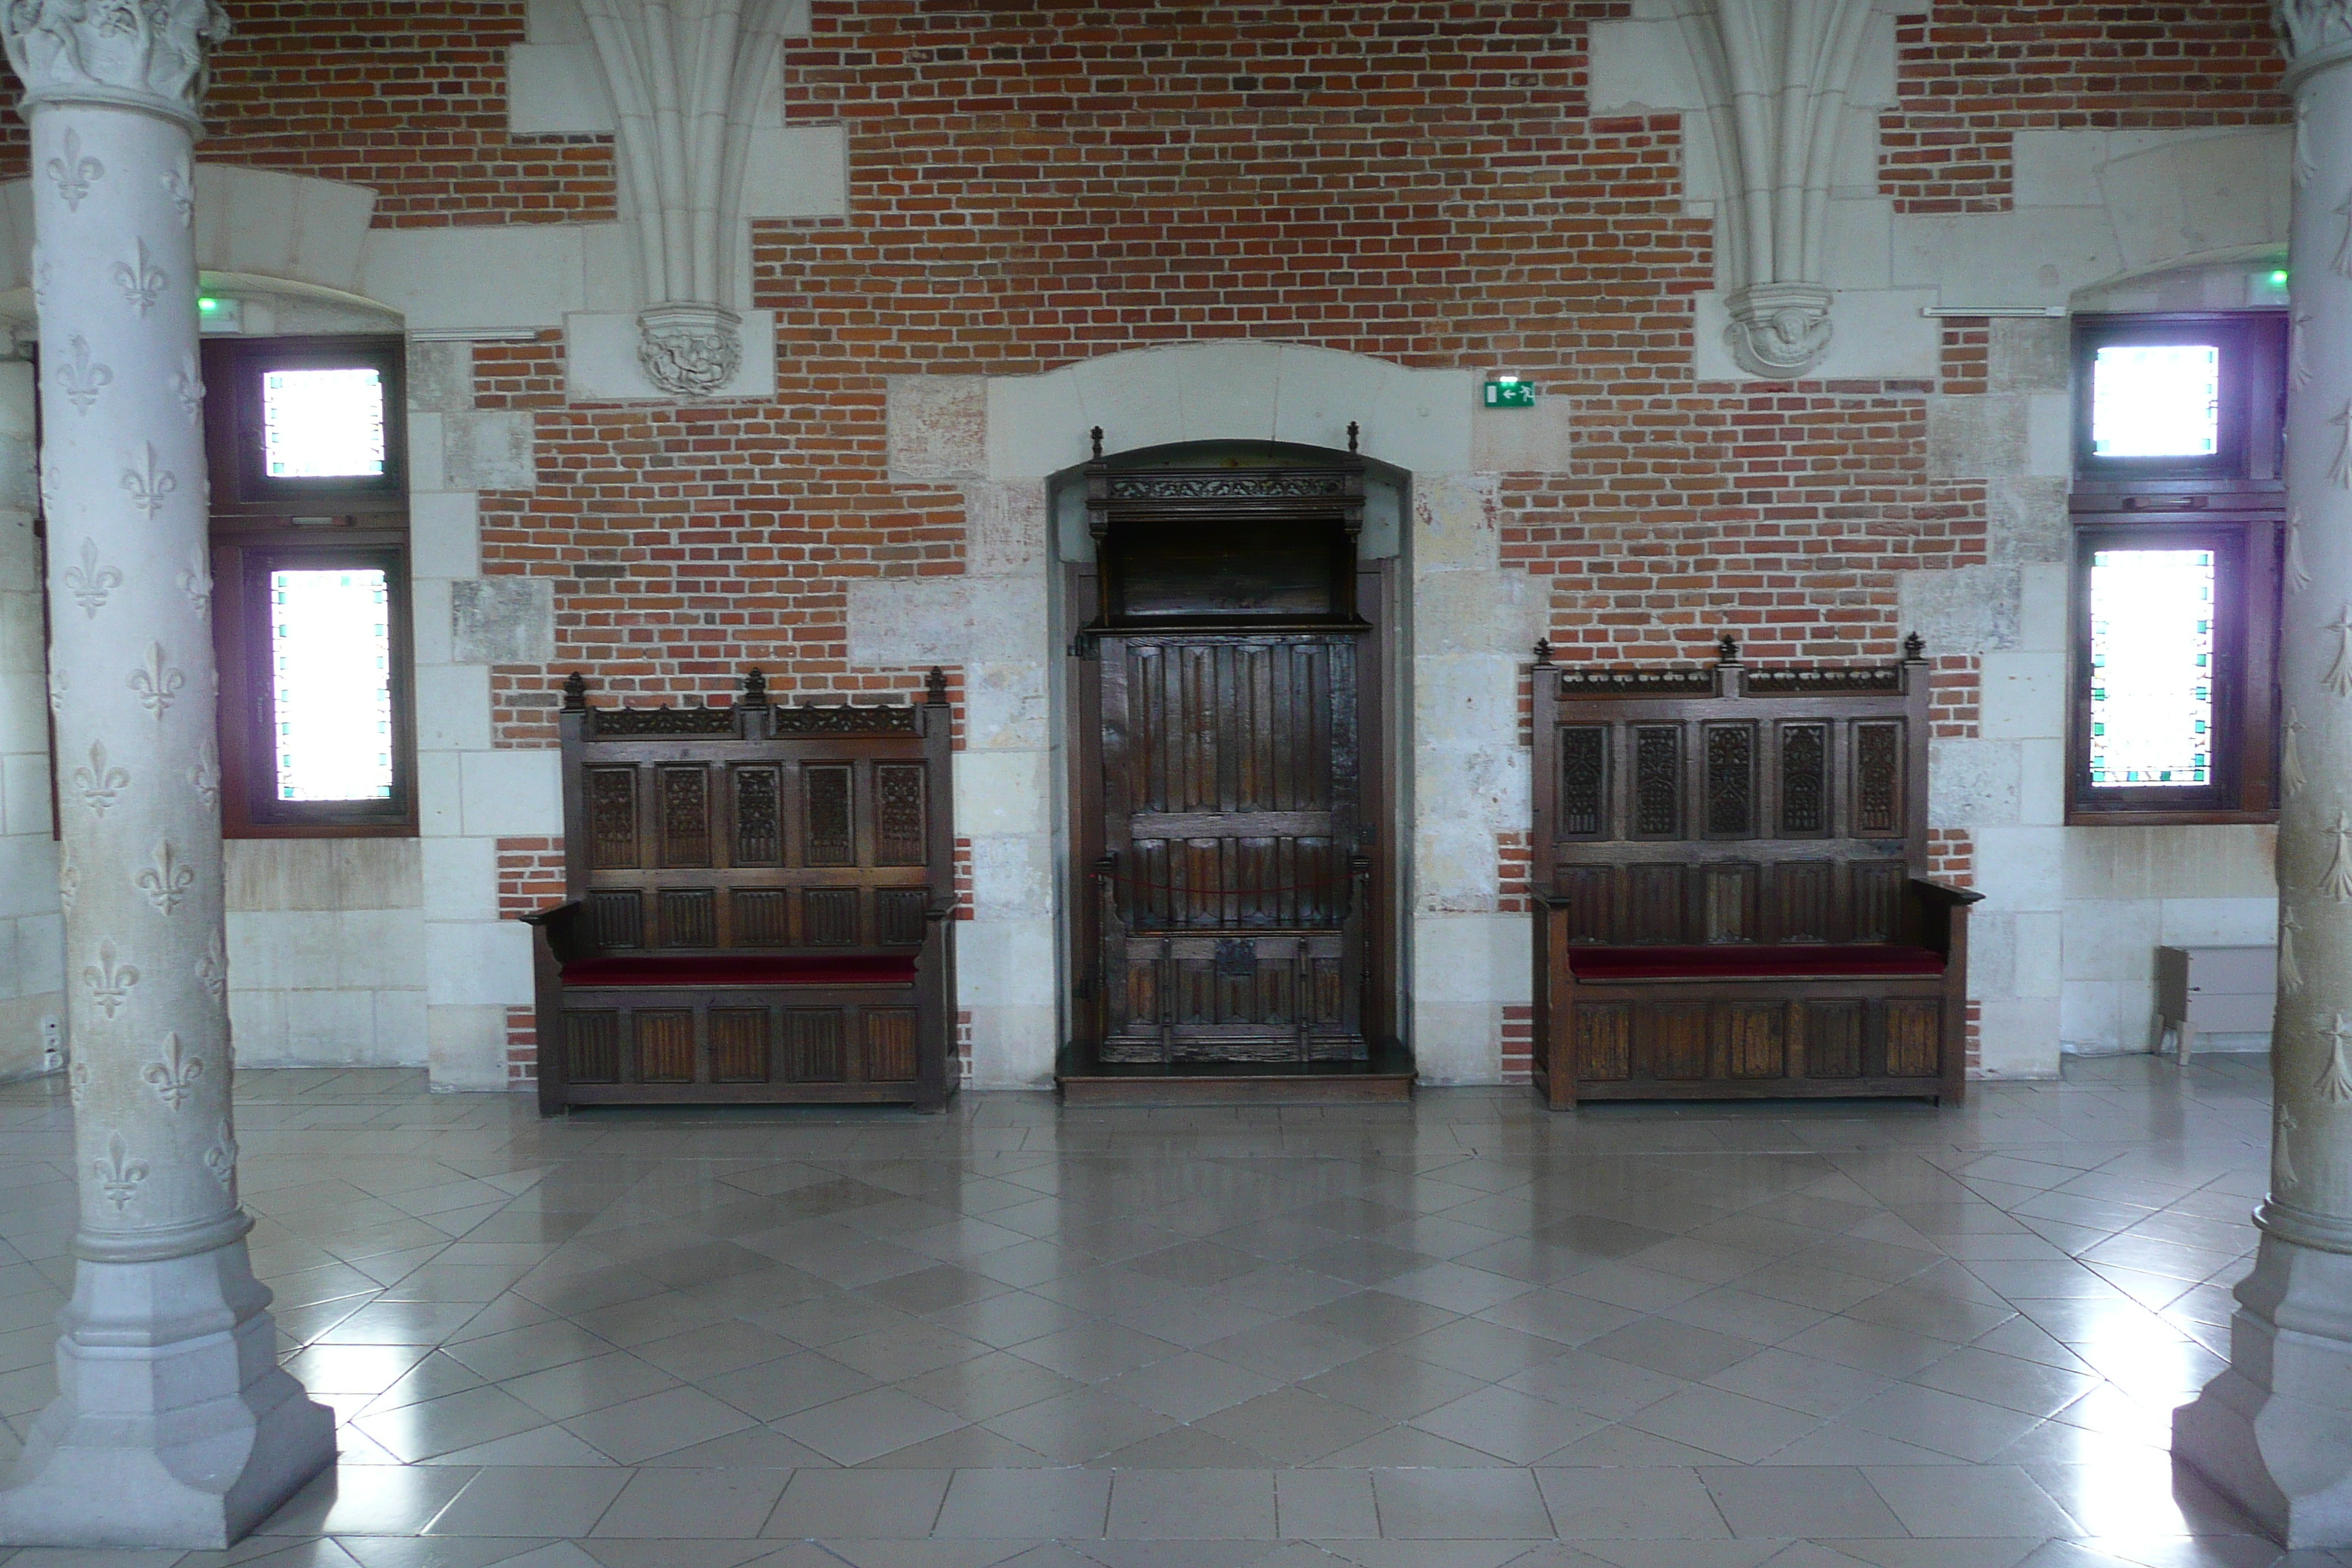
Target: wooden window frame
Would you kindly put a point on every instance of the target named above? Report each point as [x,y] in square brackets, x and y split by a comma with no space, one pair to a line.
[233,432]
[260,525]
[2233,503]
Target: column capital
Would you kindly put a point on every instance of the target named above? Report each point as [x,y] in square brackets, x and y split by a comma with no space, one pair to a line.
[148,55]
[2315,34]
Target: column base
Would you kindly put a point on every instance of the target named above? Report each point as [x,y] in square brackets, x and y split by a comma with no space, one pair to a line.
[173,1426]
[2274,1432]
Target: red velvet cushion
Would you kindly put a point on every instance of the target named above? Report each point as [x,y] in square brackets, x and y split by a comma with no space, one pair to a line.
[1738,962]
[749,968]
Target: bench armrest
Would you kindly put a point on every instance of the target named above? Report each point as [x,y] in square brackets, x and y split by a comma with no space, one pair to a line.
[561,925]
[1945,894]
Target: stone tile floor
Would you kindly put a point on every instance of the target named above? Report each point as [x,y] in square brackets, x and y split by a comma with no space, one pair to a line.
[1460,1334]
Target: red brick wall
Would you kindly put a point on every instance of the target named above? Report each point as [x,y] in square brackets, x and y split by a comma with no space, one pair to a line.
[408,97]
[1971,77]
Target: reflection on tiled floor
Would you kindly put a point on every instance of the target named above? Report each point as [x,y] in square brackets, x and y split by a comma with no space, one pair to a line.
[1459,1334]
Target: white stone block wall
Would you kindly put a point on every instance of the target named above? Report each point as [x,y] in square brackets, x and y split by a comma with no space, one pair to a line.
[471,793]
[326,947]
[32,931]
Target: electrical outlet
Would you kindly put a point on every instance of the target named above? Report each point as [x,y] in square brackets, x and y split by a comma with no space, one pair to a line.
[53,1044]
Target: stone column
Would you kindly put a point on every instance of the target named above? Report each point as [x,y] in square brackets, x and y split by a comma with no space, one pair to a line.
[173,1426]
[2274,1430]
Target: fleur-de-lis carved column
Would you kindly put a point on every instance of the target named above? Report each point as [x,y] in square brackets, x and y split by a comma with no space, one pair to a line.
[173,1426]
[2274,1430]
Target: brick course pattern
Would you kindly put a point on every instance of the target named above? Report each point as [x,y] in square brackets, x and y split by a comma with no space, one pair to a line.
[1968,77]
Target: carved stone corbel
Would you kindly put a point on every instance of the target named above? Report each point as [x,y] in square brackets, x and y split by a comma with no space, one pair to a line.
[1776,74]
[686,76]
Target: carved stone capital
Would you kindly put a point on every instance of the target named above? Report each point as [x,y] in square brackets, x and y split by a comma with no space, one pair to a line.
[1779,330]
[2308,28]
[142,54]
[689,350]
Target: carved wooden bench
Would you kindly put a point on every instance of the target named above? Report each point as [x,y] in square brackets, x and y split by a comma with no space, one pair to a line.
[759,909]
[1729,869]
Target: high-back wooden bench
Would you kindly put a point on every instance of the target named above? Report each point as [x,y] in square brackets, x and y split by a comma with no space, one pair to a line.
[759,909]
[1729,872]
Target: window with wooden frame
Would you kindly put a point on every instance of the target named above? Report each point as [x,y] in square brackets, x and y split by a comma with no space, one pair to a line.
[309,560]
[2178,530]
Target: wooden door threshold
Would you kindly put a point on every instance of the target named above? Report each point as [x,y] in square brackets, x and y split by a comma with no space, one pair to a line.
[1386,1078]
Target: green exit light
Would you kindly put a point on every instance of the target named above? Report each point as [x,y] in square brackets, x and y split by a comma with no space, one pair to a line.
[2278,278]
[1510,392]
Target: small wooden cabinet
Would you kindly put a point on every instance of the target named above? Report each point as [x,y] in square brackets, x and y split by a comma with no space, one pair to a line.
[2213,991]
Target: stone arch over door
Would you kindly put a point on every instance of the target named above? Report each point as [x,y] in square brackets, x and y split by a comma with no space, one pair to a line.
[1001,442]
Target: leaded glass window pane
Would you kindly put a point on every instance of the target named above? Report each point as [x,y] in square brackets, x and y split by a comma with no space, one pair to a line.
[2151,668]
[322,424]
[331,683]
[2156,400]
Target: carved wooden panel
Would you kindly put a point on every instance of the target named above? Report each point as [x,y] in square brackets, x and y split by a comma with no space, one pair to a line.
[758,827]
[889,1045]
[827,831]
[1730,780]
[898,813]
[1878,898]
[1878,783]
[1229,771]
[1583,807]
[616,916]
[762,917]
[1730,902]
[1658,780]
[1653,904]
[813,1044]
[1832,1039]
[1750,1037]
[1804,781]
[664,1042]
[1605,1041]
[829,917]
[612,818]
[739,1045]
[1803,901]
[898,916]
[1590,907]
[1915,1032]
[1675,1050]
[592,1043]
[685,793]
[689,916]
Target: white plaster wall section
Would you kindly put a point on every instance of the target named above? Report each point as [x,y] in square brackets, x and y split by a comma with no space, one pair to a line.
[2091,206]
[32,934]
[326,945]
[1473,626]
[470,793]
[1415,420]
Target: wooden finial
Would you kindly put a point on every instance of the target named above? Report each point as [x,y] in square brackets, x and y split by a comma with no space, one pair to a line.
[1543,651]
[1727,649]
[1098,436]
[755,689]
[575,690]
[1351,435]
[935,687]
[1915,648]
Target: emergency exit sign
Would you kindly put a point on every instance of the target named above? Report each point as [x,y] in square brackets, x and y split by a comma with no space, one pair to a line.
[1510,392]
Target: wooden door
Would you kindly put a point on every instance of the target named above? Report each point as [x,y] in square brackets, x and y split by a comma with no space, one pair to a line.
[1234,883]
